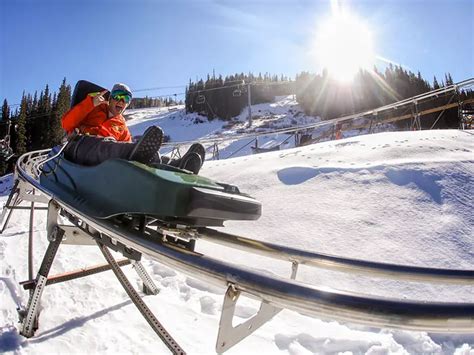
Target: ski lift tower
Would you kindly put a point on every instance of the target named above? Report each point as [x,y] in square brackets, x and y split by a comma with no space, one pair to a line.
[249,102]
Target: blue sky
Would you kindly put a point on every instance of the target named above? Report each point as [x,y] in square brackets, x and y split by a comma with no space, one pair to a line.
[152,43]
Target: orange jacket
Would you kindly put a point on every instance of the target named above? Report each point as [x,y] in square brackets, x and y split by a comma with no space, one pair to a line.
[95,121]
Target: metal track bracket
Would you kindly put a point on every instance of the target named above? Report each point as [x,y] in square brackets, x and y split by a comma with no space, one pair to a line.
[229,335]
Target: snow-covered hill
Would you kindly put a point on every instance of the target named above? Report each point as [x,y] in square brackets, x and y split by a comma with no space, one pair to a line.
[404,197]
[284,113]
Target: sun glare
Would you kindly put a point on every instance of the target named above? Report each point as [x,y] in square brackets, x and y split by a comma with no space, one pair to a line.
[343,45]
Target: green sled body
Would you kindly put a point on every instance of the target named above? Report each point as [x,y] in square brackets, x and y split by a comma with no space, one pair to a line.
[118,187]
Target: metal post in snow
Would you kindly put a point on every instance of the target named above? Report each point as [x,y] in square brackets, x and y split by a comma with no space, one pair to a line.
[30,242]
[416,124]
[249,104]
[9,132]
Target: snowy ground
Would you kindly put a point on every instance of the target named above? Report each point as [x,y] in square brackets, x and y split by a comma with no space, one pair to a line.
[404,197]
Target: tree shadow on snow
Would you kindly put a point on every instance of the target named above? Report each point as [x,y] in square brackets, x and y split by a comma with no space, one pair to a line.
[11,340]
[74,323]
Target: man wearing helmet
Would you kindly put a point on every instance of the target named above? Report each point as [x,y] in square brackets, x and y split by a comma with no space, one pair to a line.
[103,133]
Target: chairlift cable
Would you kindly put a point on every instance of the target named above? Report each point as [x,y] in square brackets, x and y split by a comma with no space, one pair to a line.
[159,88]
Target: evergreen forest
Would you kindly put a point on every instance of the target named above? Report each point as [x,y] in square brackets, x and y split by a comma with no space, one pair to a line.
[318,94]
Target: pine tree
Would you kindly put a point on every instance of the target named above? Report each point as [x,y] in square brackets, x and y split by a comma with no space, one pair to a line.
[5,119]
[29,125]
[38,127]
[21,127]
[5,110]
[448,79]
[435,83]
[35,101]
[62,104]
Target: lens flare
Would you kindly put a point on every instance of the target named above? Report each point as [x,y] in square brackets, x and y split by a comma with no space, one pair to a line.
[343,45]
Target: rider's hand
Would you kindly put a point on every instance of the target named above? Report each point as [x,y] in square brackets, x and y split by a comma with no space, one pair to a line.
[100,99]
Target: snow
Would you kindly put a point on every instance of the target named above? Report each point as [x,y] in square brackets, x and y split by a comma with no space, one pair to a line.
[399,197]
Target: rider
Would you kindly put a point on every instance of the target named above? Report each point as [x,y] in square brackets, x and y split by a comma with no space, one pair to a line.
[103,134]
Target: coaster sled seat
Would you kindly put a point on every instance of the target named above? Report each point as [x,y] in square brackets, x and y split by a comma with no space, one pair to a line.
[84,88]
[171,195]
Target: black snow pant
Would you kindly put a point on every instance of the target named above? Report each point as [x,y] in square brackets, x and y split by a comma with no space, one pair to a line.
[92,150]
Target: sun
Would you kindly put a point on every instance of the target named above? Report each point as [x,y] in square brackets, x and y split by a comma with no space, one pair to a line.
[343,45]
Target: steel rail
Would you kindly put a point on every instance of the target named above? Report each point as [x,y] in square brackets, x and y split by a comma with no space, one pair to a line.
[322,302]
[336,263]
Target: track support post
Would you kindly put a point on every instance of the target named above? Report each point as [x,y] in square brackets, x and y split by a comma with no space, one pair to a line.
[155,324]
[7,209]
[149,287]
[29,316]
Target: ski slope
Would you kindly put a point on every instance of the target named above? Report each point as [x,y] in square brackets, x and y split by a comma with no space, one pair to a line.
[400,197]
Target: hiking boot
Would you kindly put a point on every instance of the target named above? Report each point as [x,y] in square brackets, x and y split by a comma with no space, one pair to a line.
[192,162]
[156,158]
[199,149]
[148,145]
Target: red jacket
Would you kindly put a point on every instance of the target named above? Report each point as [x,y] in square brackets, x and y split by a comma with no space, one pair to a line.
[95,121]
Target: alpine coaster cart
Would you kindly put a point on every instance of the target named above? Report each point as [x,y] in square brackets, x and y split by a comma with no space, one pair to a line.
[166,212]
